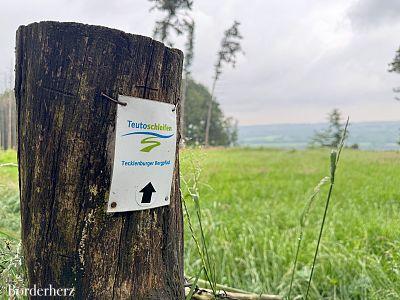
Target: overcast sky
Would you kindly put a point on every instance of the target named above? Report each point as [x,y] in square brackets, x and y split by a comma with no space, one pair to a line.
[303,58]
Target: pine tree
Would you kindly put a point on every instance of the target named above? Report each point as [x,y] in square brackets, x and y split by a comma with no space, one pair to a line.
[176,15]
[230,47]
[394,66]
[332,136]
[178,20]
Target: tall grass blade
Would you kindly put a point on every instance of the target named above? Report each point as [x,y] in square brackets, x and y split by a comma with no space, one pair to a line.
[201,244]
[335,156]
[199,249]
[194,285]
[303,219]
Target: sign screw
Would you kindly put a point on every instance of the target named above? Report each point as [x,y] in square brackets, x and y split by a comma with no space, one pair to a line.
[113,204]
[166,198]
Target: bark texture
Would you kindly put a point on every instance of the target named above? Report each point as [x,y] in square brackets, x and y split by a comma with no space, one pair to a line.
[65,154]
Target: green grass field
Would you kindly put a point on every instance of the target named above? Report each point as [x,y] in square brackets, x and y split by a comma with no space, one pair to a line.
[251,201]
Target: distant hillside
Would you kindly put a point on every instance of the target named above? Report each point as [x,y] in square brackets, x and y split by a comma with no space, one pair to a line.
[368,135]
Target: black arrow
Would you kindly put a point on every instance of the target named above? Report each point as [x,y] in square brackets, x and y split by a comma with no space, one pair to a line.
[147,191]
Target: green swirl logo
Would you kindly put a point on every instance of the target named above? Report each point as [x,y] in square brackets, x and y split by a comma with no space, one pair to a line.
[151,140]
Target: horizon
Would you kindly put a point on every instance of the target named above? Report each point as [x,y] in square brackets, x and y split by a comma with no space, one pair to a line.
[377,136]
[322,123]
[263,164]
[335,55]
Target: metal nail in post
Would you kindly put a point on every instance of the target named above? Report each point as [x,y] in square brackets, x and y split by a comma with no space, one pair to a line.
[146,88]
[176,104]
[113,100]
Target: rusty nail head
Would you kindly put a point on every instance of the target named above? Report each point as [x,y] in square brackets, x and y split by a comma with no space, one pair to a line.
[113,204]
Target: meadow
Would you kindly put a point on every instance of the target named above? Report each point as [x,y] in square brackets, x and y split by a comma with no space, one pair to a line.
[251,201]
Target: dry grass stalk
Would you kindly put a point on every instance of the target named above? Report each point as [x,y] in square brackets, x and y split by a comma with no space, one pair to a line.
[207,294]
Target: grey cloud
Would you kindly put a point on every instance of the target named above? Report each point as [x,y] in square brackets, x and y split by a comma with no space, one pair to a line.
[297,65]
[366,14]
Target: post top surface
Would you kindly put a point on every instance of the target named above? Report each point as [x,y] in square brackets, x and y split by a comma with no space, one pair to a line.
[92,29]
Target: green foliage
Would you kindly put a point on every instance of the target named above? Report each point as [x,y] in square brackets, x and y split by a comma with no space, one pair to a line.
[9,196]
[251,201]
[176,18]
[12,270]
[230,47]
[189,26]
[223,131]
[11,262]
[394,66]
[191,194]
[332,136]
[398,141]
[7,120]
[6,94]
[335,157]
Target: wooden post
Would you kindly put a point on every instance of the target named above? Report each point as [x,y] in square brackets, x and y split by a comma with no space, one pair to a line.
[65,155]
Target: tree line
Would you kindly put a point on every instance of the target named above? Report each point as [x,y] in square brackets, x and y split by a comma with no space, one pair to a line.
[177,20]
[8,125]
[223,130]
[202,120]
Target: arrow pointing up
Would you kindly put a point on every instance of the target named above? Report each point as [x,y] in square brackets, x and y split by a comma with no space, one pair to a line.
[147,191]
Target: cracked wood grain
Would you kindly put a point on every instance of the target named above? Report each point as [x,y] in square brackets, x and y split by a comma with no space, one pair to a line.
[65,154]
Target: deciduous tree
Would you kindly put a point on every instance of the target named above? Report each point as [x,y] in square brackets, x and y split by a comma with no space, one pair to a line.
[223,130]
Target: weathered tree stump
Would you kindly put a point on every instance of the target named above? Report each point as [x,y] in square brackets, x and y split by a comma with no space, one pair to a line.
[65,155]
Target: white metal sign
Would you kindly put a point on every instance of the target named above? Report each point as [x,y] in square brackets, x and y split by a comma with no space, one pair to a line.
[144,158]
